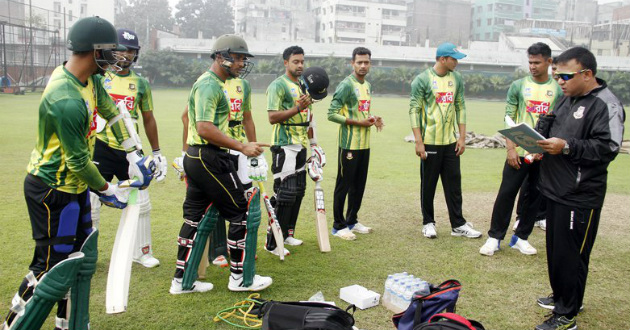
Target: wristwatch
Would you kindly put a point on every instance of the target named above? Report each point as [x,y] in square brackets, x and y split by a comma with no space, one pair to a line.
[565,149]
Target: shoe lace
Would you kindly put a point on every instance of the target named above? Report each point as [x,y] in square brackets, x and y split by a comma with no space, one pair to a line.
[552,318]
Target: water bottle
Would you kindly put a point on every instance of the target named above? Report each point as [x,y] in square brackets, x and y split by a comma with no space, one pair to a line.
[408,294]
[388,287]
[423,288]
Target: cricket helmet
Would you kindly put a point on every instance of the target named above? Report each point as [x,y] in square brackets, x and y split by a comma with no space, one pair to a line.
[232,44]
[91,33]
[314,82]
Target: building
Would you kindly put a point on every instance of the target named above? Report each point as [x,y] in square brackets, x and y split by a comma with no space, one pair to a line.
[577,11]
[426,20]
[368,22]
[490,18]
[275,20]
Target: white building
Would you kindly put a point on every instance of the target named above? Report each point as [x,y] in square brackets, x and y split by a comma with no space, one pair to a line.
[369,22]
[69,11]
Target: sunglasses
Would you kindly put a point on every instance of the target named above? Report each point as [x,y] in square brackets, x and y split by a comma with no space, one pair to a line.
[567,75]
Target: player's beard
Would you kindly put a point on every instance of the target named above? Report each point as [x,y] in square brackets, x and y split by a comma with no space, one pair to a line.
[296,73]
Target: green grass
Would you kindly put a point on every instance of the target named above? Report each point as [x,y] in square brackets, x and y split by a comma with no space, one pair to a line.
[498,291]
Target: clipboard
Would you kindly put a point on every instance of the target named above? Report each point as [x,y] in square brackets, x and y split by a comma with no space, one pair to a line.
[523,135]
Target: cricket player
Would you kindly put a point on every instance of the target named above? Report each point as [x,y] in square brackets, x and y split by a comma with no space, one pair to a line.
[289,110]
[109,155]
[527,99]
[581,141]
[437,107]
[211,176]
[60,175]
[241,127]
[351,109]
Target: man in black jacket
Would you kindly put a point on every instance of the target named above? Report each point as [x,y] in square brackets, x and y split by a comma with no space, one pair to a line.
[582,140]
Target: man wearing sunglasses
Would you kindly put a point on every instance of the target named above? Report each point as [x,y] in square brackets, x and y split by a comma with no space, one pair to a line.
[582,140]
[527,99]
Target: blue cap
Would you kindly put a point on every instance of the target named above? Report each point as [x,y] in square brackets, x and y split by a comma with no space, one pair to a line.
[448,49]
[128,38]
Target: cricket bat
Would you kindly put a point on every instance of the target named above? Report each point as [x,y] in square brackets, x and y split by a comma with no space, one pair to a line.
[320,219]
[204,263]
[119,274]
[273,221]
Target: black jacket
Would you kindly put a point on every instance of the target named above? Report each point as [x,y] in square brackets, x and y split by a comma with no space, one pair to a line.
[592,125]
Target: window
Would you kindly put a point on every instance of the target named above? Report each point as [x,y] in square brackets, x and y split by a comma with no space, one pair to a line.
[489,7]
[489,21]
[83,9]
[479,9]
[330,25]
[478,22]
[487,35]
[70,15]
[284,29]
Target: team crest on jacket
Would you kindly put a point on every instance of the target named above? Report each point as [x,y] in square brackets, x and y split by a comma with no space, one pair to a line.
[549,93]
[349,155]
[132,87]
[579,113]
[450,84]
[239,89]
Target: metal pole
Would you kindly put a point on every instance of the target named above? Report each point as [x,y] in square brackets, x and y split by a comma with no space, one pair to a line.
[30,5]
[4,53]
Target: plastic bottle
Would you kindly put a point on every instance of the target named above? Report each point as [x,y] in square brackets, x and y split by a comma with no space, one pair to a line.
[387,293]
[407,295]
[423,288]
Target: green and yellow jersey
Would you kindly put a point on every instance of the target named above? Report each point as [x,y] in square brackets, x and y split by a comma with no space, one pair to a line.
[283,95]
[238,92]
[134,91]
[66,132]
[437,106]
[207,102]
[528,99]
[351,100]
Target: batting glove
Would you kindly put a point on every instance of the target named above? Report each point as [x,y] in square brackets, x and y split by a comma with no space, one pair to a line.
[178,165]
[315,170]
[318,154]
[114,196]
[141,169]
[257,168]
[160,166]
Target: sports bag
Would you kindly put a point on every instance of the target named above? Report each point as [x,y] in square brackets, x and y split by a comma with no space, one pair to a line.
[441,298]
[449,321]
[305,315]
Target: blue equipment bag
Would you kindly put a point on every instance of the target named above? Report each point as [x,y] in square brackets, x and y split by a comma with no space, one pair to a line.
[442,298]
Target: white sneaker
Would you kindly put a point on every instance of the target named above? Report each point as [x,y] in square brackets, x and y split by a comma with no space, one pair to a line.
[522,245]
[277,253]
[465,230]
[542,224]
[293,241]
[147,261]
[176,287]
[259,283]
[220,261]
[491,246]
[344,234]
[515,225]
[428,230]
[360,228]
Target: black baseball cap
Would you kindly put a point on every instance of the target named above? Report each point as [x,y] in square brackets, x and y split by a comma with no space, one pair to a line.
[314,82]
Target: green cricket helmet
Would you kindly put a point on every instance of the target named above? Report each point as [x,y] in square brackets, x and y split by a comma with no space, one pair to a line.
[95,33]
[232,44]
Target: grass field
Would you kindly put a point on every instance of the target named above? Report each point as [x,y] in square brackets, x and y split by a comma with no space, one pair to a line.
[499,291]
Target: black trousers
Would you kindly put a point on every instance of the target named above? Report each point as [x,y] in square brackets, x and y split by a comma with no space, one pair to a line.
[352,171]
[504,204]
[571,233]
[110,162]
[441,163]
[211,179]
[522,200]
[45,206]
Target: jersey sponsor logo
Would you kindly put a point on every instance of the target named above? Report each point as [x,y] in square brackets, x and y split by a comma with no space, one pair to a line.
[129,100]
[364,105]
[579,113]
[294,93]
[444,97]
[537,107]
[236,105]
[93,121]
[132,87]
[434,85]
[527,92]
[107,84]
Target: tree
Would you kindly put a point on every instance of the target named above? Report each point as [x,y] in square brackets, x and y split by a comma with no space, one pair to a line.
[212,17]
[142,15]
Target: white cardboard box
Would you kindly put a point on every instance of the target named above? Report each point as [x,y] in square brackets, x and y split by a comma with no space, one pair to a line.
[359,296]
